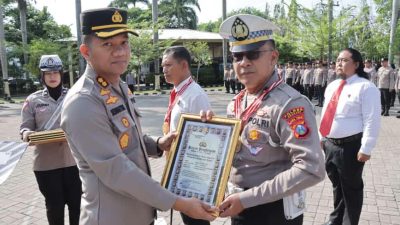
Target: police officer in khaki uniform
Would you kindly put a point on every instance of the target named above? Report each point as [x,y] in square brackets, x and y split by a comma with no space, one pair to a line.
[54,167]
[290,74]
[280,153]
[331,73]
[320,78]
[386,79]
[102,125]
[307,80]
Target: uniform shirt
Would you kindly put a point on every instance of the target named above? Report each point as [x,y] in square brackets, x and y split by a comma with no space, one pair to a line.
[386,78]
[192,100]
[36,111]
[290,73]
[320,76]
[129,79]
[397,84]
[331,76]
[373,77]
[308,76]
[273,160]
[102,126]
[358,110]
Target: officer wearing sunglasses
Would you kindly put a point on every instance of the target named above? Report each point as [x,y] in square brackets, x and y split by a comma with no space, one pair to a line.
[280,154]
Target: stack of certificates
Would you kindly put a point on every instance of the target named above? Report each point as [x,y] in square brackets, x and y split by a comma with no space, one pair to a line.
[48,136]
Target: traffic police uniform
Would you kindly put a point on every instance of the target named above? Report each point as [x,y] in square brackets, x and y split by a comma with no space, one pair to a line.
[54,167]
[102,126]
[280,153]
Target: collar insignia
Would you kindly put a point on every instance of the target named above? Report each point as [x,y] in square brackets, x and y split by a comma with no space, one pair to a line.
[102,81]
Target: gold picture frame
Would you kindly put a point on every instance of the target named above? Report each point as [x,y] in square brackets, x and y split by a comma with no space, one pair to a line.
[200,158]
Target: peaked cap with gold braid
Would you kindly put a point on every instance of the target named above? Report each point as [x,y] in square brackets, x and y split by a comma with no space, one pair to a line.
[105,22]
[246,32]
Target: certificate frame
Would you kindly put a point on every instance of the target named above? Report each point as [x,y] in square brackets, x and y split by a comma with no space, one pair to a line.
[201,157]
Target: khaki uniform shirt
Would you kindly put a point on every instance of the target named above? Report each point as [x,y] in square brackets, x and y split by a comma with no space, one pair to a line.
[331,76]
[280,152]
[372,74]
[397,84]
[320,76]
[102,126]
[290,73]
[386,78]
[308,76]
[36,111]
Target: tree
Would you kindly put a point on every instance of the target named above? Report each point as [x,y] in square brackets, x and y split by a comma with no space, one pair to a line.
[126,3]
[200,54]
[180,13]
[22,12]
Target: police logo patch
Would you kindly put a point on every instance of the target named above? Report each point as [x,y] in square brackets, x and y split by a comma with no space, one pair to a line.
[102,81]
[300,130]
[116,17]
[111,100]
[296,121]
[254,135]
[125,122]
[239,30]
[124,140]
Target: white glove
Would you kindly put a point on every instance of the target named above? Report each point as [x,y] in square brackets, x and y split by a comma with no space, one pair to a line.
[25,135]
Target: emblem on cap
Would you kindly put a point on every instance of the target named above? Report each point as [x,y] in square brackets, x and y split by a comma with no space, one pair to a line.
[239,30]
[116,18]
[50,62]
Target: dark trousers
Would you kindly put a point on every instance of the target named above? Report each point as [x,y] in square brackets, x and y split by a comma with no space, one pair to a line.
[233,86]
[239,86]
[227,85]
[131,87]
[190,221]
[320,94]
[307,91]
[392,94]
[345,173]
[289,81]
[59,187]
[385,100]
[267,214]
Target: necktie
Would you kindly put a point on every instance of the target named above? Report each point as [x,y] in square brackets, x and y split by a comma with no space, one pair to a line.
[327,119]
[172,97]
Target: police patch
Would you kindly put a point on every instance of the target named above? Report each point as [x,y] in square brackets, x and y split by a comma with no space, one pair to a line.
[104,92]
[295,119]
[125,122]
[111,100]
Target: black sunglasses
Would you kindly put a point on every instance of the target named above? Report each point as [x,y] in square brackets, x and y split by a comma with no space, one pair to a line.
[250,55]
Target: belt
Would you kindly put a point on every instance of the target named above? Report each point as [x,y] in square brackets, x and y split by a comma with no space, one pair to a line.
[340,141]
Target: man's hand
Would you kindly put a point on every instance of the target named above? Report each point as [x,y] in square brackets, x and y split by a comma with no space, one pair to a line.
[195,208]
[361,157]
[25,135]
[206,116]
[231,206]
[164,143]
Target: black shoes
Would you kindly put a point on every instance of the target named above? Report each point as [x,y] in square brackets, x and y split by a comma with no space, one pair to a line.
[328,223]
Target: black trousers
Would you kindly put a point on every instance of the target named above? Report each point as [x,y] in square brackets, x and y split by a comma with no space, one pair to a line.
[345,172]
[190,221]
[267,214]
[227,85]
[320,94]
[308,91]
[385,100]
[59,187]
[239,86]
[233,85]
[131,87]
[392,94]
[289,81]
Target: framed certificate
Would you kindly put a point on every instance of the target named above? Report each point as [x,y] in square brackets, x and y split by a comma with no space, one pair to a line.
[201,158]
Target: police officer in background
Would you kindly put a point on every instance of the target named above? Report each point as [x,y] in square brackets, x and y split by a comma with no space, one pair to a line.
[349,126]
[371,72]
[320,77]
[386,79]
[397,89]
[101,122]
[54,167]
[307,80]
[331,73]
[279,153]
[290,74]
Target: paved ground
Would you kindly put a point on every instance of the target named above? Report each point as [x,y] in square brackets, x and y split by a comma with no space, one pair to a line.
[22,203]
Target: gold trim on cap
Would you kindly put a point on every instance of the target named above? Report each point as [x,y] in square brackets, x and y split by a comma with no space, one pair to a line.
[251,41]
[110,26]
[105,34]
[116,18]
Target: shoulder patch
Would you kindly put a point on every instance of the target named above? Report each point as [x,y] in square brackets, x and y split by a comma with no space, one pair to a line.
[296,121]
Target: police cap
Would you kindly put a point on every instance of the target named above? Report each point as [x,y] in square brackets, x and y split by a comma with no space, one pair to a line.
[105,22]
[246,32]
[50,63]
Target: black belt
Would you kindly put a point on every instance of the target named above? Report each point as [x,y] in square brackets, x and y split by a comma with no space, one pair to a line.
[340,141]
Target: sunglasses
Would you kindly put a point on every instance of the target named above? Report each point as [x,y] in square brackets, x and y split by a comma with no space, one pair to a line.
[250,55]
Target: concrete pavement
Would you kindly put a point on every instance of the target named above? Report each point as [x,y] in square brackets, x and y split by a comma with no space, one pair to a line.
[22,203]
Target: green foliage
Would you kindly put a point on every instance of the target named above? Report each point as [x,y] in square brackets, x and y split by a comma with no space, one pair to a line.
[200,54]
[179,13]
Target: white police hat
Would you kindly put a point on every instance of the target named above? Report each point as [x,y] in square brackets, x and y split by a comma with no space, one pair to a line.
[50,63]
[246,32]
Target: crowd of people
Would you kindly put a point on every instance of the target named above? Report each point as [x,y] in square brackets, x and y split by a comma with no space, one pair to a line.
[281,151]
